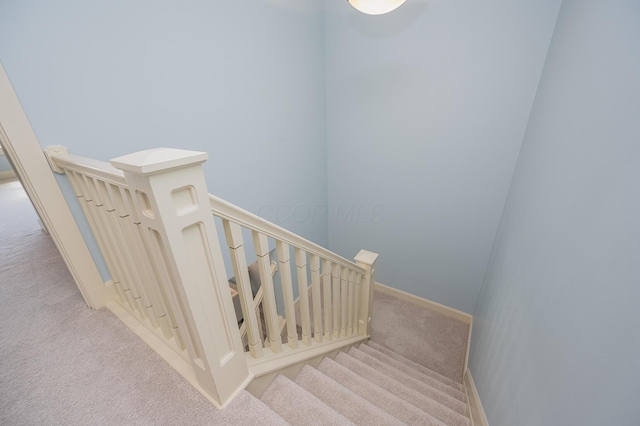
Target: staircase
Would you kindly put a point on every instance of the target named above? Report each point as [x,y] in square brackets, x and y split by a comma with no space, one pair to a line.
[157,228]
[368,385]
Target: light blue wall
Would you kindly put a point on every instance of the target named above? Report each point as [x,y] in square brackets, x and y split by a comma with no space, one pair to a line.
[4,164]
[83,225]
[555,339]
[426,110]
[242,80]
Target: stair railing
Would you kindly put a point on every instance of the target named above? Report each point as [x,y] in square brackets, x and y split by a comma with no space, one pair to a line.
[331,313]
[153,220]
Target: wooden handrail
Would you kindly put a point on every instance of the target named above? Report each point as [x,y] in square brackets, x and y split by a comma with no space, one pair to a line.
[101,169]
[233,213]
[219,207]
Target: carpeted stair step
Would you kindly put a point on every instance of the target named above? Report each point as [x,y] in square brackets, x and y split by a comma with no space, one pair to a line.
[407,380]
[414,365]
[392,404]
[299,407]
[395,387]
[348,403]
[246,409]
[441,386]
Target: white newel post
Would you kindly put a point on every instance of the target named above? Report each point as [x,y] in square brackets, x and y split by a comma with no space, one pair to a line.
[170,195]
[366,260]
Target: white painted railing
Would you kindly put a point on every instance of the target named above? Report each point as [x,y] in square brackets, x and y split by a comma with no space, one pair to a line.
[154,222]
[107,204]
[332,310]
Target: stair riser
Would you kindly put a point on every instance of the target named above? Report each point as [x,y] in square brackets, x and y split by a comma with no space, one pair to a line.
[426,404]
[428,391]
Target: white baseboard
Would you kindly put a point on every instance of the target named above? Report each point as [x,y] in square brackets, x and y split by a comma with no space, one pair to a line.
[430,304]
[7,174]
[476,411]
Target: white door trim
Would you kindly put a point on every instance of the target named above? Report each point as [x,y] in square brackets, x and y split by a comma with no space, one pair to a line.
[23,149]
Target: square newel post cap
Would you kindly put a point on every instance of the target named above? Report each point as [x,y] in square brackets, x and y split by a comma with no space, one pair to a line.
[158,160]
[366,257]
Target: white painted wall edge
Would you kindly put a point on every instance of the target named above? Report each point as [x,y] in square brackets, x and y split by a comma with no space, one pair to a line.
[476,411]
[23,149]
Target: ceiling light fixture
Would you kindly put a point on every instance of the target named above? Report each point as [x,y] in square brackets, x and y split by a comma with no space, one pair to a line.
[375,7]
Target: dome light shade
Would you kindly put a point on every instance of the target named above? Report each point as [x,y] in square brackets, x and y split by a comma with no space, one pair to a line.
[375,7]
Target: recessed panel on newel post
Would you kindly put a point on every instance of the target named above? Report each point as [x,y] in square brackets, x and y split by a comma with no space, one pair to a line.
[170,195]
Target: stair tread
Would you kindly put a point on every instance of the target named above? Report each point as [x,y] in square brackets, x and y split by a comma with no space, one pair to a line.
[344,401]
[297,406]
[431,381]
[407,380]
[419,367]
[395,387]
[392,404]
[246,409]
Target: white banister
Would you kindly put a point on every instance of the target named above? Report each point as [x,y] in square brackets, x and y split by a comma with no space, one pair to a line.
[84,199]
[316,297]
[287,290]
[226,210]
[233,234]
[261,246]
[351,305]
[303,295]
[140,258]
[154,223]
[344,299]
[366,260]
[326,294]
[106,203]
[356,307]
[170,196]
[62,161]
[335,280]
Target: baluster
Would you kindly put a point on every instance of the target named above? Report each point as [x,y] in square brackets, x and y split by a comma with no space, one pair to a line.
[303,293]
[120,287]
[165,314]
[138,260]
[287,290]
[121,244]
[315,294]
[356,310]
[351,303]
[112,240]
[233,232]
[344,300]
[261,245]
[335,279]
[105,236]
[326,287]
[258,304]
